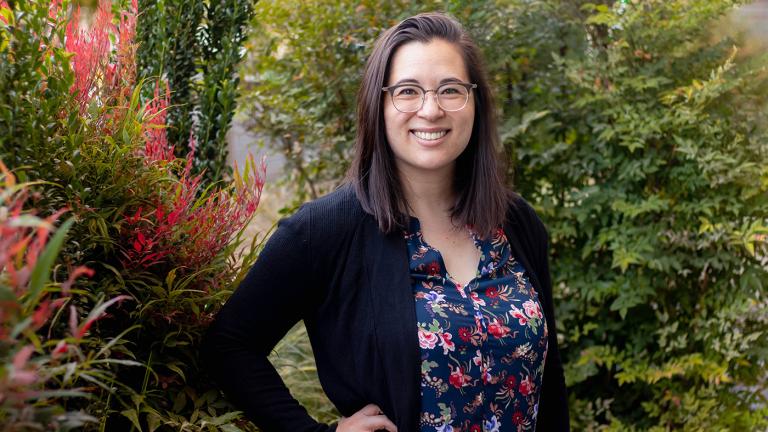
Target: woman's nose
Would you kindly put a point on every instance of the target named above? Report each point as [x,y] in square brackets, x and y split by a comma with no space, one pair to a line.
[430,108]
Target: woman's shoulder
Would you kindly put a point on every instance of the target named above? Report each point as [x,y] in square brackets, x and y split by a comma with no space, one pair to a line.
[342,203]
[332,215]
[522,216]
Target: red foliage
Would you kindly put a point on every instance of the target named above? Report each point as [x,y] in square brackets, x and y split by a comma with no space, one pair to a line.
[181,228]
[156,145]
[91,49]
[23,239]
[188,231]
[3,5]
[96,78]
[21,244]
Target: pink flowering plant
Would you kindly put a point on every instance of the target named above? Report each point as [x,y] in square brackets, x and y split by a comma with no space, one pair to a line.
[150,252]
[42,360]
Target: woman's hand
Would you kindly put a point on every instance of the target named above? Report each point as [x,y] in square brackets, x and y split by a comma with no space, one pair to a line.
[368,419]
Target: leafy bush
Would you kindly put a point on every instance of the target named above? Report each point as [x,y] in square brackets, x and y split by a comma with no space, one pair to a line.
[648,170]
[40,360]
[196,47]
[73,120]
[642,142]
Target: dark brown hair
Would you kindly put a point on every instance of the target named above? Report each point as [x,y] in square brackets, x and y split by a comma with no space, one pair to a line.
[482,198]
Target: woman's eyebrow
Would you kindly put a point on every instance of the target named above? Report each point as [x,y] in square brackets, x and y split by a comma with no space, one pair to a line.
[414,81]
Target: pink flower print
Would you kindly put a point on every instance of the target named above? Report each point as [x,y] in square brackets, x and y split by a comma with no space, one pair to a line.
[458,378]
[460,290]
[477,359]
[532,309]
[498,329]
[446,343]
[517,313]
[476,299]
[526,386]
[427,339]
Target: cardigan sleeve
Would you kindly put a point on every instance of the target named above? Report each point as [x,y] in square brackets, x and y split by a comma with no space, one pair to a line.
[553,404]
[269,301]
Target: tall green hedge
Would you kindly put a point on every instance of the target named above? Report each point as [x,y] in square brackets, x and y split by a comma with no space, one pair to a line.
[640,137]
[196,46]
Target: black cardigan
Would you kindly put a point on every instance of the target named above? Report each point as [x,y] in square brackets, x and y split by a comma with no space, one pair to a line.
[330,265]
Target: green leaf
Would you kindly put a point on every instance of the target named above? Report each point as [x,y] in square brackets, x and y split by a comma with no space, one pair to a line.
[133,416]
[179,402]
[42,271]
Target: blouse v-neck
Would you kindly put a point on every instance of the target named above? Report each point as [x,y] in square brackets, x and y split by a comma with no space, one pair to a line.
[415,228]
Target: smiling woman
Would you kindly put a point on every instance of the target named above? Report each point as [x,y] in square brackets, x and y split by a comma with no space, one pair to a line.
[423,134]
[423,281]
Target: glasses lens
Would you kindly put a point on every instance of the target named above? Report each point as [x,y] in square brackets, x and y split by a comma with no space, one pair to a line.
[407,98]
[452,97]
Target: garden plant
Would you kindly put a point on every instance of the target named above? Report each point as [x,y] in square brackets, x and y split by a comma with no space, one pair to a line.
[87,157]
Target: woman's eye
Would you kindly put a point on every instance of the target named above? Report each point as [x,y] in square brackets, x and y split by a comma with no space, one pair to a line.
[407,91]
[450,90]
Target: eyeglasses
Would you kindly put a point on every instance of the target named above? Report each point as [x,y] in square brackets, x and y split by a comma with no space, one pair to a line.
[409,98]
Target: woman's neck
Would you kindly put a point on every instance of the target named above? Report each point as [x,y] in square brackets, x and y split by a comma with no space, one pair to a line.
[429,195]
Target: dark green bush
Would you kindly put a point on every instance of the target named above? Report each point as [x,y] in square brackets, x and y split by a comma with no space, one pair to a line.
[649,168]
[196,46]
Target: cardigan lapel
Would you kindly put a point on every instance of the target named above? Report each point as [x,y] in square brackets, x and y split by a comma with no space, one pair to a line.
[394,317]
[519,253]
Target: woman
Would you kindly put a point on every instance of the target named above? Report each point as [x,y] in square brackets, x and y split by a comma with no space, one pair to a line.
[423,282]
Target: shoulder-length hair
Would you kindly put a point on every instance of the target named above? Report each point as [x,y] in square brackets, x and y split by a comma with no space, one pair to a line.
[482,198]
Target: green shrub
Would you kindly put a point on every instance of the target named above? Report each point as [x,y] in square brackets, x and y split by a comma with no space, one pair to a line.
[196,46]
[41,360]
[73,120]
[649,168]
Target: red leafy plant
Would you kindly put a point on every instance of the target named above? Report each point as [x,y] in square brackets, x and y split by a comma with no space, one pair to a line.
[185,225]
[142,219]
[38,369]
[97,77]
[190,227]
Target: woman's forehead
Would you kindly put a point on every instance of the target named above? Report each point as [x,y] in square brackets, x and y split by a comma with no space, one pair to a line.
[428,63]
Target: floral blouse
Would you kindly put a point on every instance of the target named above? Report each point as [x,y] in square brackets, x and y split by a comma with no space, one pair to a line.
[483,345]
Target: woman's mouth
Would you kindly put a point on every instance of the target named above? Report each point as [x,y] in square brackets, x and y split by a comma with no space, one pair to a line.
[429,136]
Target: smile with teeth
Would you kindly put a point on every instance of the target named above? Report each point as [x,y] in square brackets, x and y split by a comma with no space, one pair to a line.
[429,136]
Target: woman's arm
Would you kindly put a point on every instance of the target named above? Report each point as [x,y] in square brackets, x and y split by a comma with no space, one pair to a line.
[553,404]
[270,300]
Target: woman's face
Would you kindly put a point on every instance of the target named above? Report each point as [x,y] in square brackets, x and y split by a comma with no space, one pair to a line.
[430,139]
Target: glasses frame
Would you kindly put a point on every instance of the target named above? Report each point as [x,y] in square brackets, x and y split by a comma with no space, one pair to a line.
[468,86]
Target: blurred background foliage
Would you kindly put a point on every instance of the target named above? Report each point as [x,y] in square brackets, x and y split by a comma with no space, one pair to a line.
[638,131]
